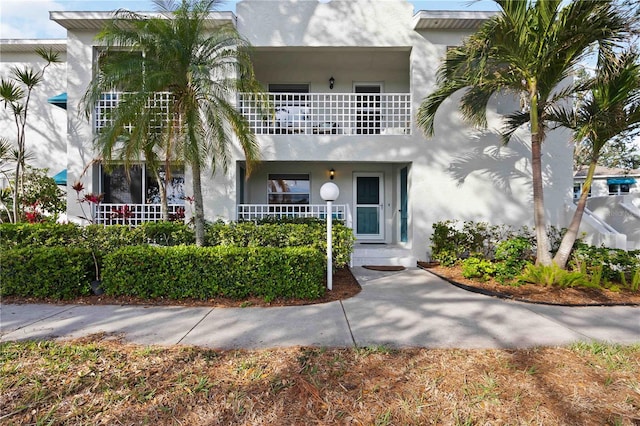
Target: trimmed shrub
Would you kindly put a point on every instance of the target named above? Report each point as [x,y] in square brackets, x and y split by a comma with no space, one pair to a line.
[168,233]
[206,272]
[48,272]
[307,234]
[22,235]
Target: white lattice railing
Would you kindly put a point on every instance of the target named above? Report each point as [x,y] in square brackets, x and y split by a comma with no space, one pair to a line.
[328,113]
[300,113]
[261,211]
[158,105]
[134,214]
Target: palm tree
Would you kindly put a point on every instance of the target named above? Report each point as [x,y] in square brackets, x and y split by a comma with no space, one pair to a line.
[198,66]
[609,113]
[530,49]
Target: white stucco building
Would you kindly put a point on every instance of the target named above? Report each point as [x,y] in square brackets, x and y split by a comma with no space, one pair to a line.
[347,78]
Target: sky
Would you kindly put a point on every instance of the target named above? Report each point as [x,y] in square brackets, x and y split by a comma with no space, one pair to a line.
[30,18]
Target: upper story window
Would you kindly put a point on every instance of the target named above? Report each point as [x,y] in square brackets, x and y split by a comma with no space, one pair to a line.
[620,185]
[117,60]
[619,188]
[288,188]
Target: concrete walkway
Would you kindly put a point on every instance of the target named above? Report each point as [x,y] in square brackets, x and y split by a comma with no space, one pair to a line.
[411,308]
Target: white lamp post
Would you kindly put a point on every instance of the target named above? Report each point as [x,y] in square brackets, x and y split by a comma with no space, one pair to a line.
[329,192]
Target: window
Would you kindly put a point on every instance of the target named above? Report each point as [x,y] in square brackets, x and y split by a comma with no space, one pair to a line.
[288,189]
[618,188]
[108,59]
[139,185]
[577,190]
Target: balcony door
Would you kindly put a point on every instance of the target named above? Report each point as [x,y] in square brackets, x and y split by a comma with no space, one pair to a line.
[367,108]
[369,206]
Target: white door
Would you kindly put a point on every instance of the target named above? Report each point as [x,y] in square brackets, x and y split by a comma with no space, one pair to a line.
[368,192]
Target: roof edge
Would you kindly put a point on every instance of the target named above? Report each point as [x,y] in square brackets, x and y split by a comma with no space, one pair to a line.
[72,20]
[450,19]
[25,44]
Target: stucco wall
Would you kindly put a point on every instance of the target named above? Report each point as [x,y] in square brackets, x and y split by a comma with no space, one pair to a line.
[80,55]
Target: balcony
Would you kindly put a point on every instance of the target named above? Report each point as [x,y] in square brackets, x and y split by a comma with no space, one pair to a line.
[325,113]
[299,113]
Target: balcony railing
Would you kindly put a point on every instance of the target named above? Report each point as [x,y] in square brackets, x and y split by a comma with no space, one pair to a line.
[256,212]
[328,113]
[134,214]
[159,103]
[299,113]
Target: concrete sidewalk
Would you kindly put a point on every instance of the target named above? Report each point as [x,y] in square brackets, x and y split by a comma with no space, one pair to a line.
[410,308]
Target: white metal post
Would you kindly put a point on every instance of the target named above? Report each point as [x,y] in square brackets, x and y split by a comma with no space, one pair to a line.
[329,245]
[329,192]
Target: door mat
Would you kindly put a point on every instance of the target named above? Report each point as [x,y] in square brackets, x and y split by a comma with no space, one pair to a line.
[384,268]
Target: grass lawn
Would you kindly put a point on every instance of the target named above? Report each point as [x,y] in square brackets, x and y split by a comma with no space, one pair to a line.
[99,380]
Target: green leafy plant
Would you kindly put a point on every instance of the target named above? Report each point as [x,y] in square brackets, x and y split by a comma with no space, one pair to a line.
[613,262]
[446,243]
[553,275]
[511,257]
[452,241]
[474,267]
[635,280]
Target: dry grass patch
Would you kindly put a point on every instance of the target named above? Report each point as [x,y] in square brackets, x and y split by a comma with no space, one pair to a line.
[98,381]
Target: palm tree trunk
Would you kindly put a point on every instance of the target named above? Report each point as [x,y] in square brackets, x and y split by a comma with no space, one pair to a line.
[198,219]
[562,256]
[162,189]
[543,257]
[16,192]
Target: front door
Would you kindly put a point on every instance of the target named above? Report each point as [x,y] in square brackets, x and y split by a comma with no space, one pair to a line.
[369,206]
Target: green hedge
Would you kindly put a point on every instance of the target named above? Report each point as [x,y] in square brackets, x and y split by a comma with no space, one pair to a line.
[309,234]
[244,234]
[51,272]
[202,273]
[23,235]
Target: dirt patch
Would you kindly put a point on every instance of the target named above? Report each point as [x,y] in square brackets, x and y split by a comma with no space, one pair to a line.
[536,293]
[94,381]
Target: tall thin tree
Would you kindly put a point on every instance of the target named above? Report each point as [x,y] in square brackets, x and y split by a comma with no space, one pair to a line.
[530,48]
[15,93]
[610,112]
[198,66]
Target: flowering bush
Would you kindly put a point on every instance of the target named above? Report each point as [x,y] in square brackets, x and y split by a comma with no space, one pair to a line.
[92,199]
